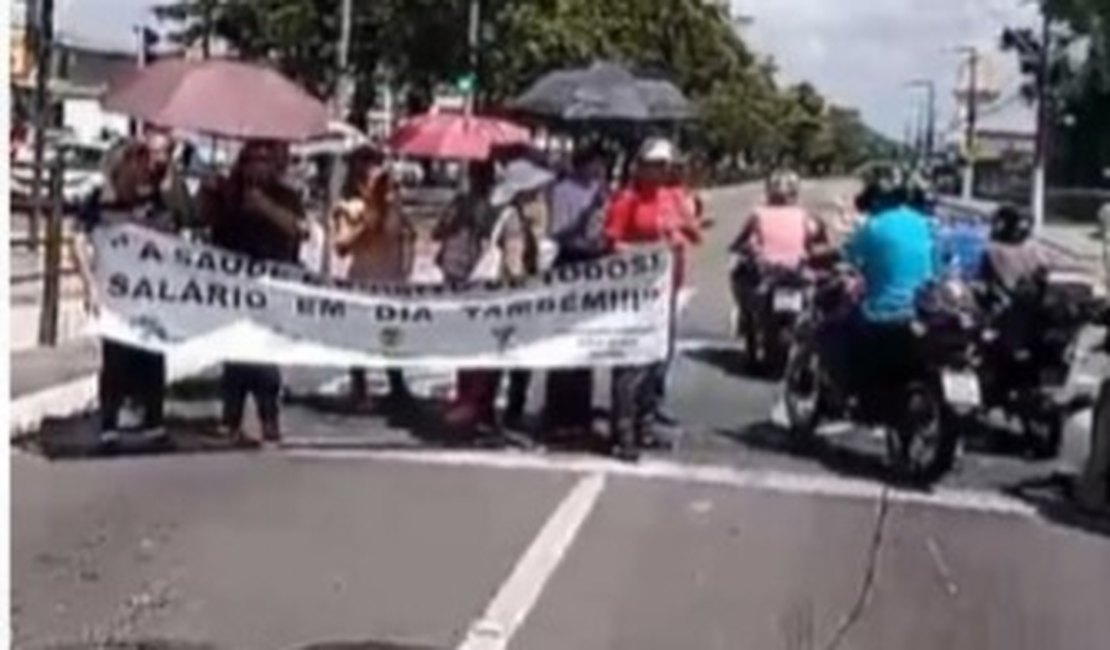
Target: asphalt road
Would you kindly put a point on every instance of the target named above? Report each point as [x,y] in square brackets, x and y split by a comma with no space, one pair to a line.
[360,535]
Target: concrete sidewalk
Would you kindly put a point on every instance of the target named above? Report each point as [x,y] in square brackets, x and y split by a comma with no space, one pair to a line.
[52,382]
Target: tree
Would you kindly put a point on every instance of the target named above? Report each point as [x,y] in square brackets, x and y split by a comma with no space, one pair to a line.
[745,116]
[1080,91]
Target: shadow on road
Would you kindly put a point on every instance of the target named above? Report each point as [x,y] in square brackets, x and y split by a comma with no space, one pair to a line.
[844,458]
[1053,497]
[79,437]
[732,362]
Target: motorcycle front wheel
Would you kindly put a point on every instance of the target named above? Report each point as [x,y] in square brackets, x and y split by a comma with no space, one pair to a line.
[1044,432]
[803,391]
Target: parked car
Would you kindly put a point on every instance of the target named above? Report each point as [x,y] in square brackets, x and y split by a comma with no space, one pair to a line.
[82,169]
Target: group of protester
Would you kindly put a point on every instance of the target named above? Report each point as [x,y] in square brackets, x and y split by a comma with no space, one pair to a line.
[515,218]
[533,220]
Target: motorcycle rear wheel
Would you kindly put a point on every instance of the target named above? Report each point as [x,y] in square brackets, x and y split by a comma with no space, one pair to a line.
[922,446]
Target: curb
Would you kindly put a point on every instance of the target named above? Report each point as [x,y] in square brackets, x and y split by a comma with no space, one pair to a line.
[27,412]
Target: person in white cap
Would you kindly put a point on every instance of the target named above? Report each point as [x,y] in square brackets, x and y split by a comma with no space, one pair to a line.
[651,210]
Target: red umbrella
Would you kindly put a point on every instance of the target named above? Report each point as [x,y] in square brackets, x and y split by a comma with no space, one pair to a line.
[455,136]
[219,97]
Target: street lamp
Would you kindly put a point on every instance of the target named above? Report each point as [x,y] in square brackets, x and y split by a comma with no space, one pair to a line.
[972,103]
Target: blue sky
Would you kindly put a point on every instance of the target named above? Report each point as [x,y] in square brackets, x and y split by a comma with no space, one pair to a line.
[859,52]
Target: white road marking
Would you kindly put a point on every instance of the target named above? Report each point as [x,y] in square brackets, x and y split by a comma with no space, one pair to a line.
[521,590]
[719,475]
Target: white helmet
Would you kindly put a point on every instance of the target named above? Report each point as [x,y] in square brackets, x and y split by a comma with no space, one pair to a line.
[783,186]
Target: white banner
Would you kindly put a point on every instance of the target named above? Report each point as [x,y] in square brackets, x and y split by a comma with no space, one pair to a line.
[201,305]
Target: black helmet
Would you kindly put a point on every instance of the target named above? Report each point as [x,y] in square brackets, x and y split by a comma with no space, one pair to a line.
[884,187]
[1011,224]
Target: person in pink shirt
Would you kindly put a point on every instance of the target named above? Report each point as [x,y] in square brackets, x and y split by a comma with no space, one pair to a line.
[780,234]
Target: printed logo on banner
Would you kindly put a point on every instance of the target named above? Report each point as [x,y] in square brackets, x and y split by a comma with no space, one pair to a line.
[503,336]
[150,327]
[390,337]
[121,240]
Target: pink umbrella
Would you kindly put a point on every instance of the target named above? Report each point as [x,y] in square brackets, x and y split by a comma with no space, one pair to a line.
[454,136]
[219,97]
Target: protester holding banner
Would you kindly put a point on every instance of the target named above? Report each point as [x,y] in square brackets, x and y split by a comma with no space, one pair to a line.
[460,232]
[127,374]
[651,210]
[511,251]
[371,230]
[252,212]
[167,177]
[577,226]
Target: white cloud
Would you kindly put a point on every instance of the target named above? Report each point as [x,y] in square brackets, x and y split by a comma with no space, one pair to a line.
[862,52]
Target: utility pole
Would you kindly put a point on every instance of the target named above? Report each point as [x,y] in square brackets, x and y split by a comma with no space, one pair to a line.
[136,125]
[930,87]
[44,46]
[972,120]
[344,91]
[206,19]
[1040,155]
[473,32]
[344,80]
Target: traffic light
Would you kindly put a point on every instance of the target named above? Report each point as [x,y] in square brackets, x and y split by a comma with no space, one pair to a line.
[1031,58]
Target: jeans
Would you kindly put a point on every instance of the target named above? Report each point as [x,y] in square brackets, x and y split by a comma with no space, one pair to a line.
[568,402]
[1094,484]
[635,399]
[126,373]
[261,381]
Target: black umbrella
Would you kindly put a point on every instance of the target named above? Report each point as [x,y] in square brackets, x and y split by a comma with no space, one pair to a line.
[603,92]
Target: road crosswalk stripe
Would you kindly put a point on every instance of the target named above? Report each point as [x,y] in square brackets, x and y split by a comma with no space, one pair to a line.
[521,590]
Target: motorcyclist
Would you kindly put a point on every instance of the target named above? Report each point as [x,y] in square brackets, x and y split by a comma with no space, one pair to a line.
[780,233]
[1013,257]
[894,251]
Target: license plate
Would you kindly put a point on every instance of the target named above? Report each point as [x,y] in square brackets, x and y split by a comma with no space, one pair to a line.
[961,388]
[788,301]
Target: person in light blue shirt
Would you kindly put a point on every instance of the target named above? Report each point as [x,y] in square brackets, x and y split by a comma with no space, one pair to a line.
[895,252]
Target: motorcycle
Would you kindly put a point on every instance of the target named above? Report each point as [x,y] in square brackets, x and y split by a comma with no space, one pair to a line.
[769,299]
[1031,348]
[923,401]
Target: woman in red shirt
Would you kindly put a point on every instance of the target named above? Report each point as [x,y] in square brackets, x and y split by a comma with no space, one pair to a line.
[651,210]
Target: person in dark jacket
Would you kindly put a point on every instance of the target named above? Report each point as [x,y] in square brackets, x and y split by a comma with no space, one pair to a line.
[252,212]
[577,212]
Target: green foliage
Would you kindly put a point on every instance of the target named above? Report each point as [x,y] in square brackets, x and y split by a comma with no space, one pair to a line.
[746,118]
[1080,144]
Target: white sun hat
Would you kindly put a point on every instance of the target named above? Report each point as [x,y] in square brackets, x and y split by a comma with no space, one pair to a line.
[519,176]
[658,150]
